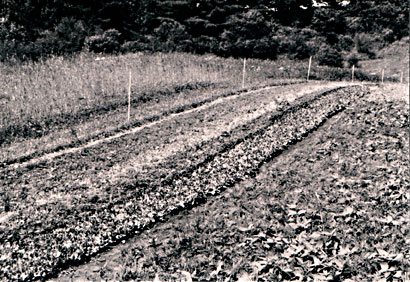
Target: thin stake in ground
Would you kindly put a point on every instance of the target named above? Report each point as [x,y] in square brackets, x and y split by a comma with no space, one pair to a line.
[243,73]
[310,64]
[129,97]
[353,73]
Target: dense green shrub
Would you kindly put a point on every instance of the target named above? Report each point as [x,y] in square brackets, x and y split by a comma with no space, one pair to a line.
[265,49]
[46,44]
[388,35]
[298,49]
[296,44]
[364,44]
[133,46]
[169,30]
[169,34]
[108,42]
[353,60]
[346,42]
[328,56]
[248,25]
[66,37]
[204,44]
[196,26]
[70,35]
[187,45]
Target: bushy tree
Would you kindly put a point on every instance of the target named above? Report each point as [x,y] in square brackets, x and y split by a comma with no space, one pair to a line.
[364,44]
[108,42]
[329,56]
[353,60]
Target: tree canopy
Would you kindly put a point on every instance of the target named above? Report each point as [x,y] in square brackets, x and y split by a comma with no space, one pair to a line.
[254,28]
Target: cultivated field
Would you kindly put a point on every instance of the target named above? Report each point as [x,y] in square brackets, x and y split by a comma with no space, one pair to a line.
[285,180]
[331,207]
[59,103]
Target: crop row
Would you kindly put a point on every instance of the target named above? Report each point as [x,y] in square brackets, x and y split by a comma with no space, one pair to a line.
[106,113]
[180,137]
[63,235]
[188,160]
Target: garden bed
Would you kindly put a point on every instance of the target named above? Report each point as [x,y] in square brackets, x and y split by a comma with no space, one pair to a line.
[42,239]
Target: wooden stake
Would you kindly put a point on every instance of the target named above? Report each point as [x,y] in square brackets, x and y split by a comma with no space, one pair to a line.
[129,96]
[353,73]
[243,73]
[401,77]
[310,64]
[383,76]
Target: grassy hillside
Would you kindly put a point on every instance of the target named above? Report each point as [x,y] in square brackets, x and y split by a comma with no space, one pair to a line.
[394,59]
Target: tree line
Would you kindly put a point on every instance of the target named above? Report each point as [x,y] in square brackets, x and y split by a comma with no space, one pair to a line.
[335,31]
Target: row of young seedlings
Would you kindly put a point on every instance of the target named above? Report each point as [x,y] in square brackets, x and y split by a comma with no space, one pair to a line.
[93,232]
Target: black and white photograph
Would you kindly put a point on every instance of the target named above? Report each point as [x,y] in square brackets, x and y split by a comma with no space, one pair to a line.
[204,140]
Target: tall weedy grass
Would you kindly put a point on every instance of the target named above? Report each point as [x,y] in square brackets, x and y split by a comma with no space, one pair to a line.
[34,91]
